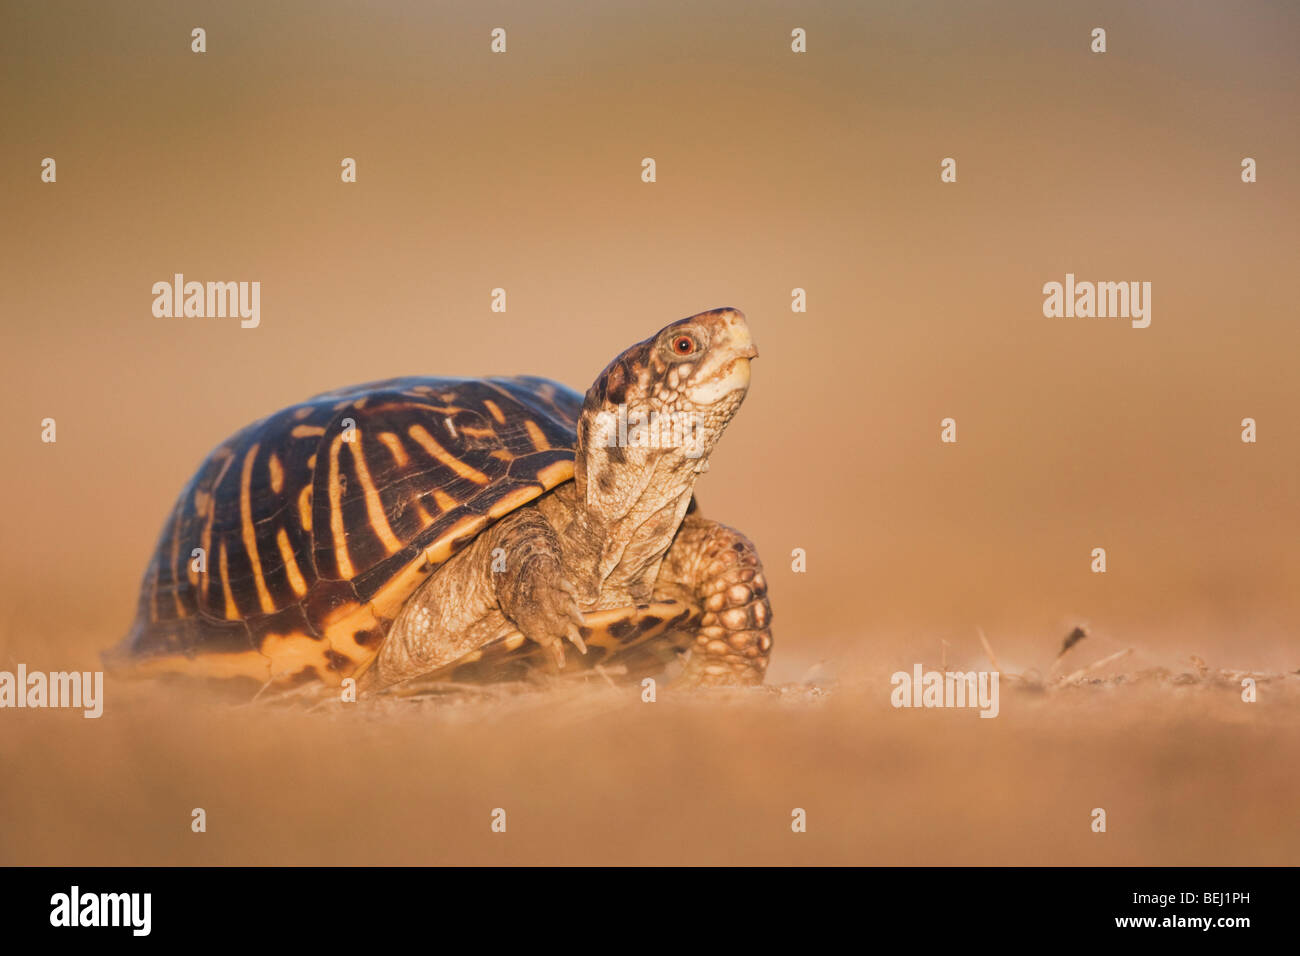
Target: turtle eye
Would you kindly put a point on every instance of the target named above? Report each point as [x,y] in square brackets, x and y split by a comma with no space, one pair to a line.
[683,345]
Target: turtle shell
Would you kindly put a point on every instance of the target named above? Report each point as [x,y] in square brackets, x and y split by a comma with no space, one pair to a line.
[291,551]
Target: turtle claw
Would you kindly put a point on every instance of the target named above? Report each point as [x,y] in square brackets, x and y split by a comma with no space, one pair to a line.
[575,636]
[556,647]
[574,632]
[551,617]
[557,652]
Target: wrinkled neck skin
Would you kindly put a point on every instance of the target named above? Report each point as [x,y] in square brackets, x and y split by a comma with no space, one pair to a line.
[620,515]
[622,523]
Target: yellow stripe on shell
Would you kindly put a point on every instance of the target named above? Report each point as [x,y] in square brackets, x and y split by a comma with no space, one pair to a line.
[248,532]
[426,441]
[337,529]
[290,563]
[374,504]
[304,507]
[395,448]
[232,611]
[535,435]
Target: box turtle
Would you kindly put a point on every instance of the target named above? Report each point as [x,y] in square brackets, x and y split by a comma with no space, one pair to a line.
[466,529]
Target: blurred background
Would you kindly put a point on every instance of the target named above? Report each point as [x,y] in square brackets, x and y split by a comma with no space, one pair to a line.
[775,170]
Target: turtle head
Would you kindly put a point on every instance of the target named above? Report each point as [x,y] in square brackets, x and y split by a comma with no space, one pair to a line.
[653,415]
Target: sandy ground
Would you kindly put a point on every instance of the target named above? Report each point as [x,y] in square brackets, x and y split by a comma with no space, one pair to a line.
[590,774]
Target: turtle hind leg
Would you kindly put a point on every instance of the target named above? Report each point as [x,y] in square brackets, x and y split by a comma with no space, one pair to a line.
[719,569]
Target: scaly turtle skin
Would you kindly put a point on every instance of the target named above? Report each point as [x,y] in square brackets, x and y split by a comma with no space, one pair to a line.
[465,529]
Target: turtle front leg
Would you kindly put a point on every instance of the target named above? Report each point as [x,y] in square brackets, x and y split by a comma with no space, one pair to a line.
[510,577]
[719,569]
[532,589]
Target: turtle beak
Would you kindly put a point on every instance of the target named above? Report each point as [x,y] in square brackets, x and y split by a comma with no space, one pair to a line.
[731,346]
[737,336]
